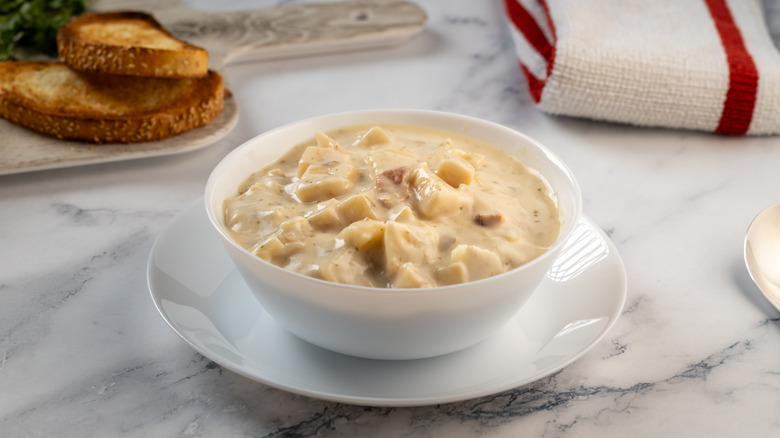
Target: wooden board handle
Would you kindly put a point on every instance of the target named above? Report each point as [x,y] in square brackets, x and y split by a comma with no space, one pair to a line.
[285,31]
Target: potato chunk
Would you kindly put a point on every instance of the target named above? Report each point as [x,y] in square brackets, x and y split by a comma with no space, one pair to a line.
[390,158]
[347,266]
[411,276]
[288,240]
[374,136]
[454,273]
[313,188]
[271,249]
[324,173]
[296,229]
[480,263]
[403,214]
[321,157]
[406,243]
[365,235]
[452,168]
[355,208]
[433,196]
[325,219]
[247,219]
[326,141]
[455,171]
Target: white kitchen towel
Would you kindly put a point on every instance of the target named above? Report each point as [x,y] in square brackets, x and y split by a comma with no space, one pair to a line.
[707,65]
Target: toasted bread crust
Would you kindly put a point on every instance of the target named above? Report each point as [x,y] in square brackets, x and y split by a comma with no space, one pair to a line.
[128,43]
[55,100]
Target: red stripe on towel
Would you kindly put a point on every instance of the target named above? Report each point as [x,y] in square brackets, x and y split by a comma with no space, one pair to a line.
[525,23]
[535,85]
[743,74]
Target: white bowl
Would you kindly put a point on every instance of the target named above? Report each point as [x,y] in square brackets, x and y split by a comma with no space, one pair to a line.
[382,323]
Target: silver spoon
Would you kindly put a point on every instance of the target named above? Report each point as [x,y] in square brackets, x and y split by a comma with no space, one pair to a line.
[762,253]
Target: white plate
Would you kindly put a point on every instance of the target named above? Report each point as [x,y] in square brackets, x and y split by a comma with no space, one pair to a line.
[23,150]
[203,298]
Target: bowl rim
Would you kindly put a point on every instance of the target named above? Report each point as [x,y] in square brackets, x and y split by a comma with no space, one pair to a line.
[548,154]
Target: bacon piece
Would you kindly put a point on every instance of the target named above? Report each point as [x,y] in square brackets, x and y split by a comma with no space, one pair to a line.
[392,186]
[488,219]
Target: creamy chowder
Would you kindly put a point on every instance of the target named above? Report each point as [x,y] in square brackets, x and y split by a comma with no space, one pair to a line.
[394,206]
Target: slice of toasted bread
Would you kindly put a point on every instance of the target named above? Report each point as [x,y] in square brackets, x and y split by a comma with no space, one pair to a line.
[128,43]
[53,99]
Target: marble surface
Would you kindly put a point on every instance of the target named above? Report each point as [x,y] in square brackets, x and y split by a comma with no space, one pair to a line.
[696,353]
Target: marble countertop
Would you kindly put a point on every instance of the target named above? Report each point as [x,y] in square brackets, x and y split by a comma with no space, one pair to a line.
[696,352]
